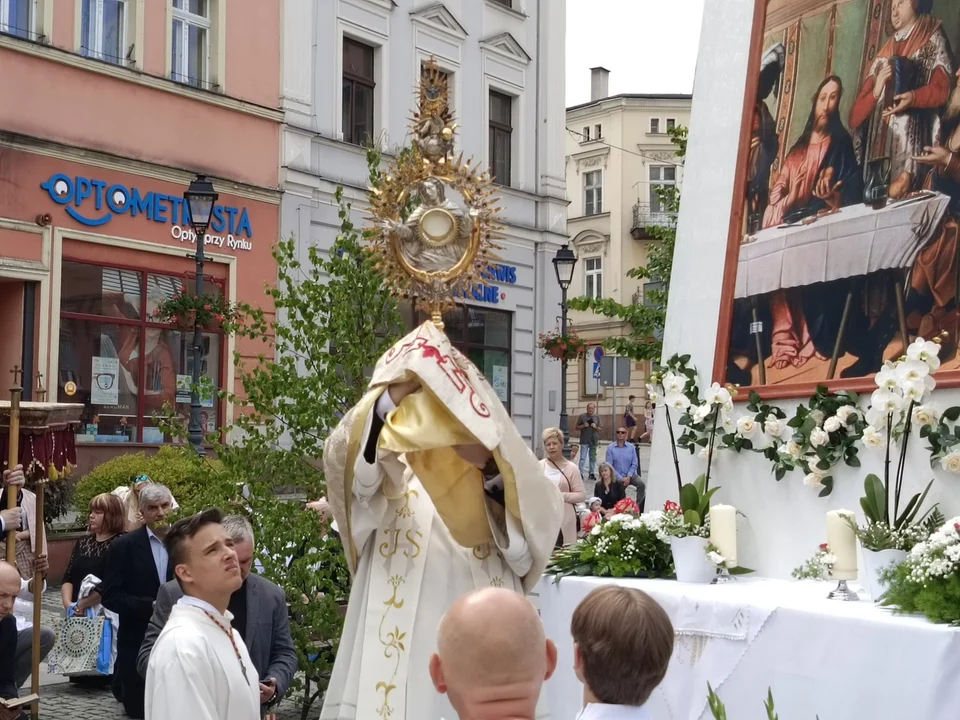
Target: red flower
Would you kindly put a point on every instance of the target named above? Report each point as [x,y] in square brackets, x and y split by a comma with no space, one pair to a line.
[671,506]
[823,547]
[590,521]
[627,507]
[208,307]
[956,526]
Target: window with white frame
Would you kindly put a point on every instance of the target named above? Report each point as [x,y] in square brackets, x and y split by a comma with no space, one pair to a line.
[597,131]
[593,193]
[654,126]
[593,277]
[190,59]
[17,18]
[585,135]
[671,124]
[661,177]
[103,30]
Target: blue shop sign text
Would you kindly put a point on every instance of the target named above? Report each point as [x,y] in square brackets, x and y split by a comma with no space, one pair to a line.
[94,203]
[502,274]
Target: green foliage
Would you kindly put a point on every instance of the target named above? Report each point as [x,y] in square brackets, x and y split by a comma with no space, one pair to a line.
[193,488]
[907,528]
[695,501]
[646,320]
[719,712]
[938,598]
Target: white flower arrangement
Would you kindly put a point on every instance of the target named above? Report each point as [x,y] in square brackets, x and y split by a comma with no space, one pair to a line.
[895,406]
[818,566]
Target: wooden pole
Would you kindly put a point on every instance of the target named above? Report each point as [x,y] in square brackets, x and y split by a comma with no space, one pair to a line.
[13,457]
[37,597]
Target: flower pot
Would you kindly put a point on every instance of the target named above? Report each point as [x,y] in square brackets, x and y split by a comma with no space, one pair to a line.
[691,561]
[188,320]
[873,562]
[556,352]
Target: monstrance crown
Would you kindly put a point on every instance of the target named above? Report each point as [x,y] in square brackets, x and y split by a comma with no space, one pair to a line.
[434,214]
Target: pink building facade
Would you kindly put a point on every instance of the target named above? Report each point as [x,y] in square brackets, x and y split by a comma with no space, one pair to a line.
[109,109]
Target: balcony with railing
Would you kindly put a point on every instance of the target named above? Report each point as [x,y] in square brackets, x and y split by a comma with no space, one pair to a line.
[646,217]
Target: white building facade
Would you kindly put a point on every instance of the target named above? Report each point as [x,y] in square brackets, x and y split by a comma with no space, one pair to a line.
[505,66]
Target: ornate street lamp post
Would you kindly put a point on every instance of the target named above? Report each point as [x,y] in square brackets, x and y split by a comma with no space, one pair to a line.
[200,198]
[563,263]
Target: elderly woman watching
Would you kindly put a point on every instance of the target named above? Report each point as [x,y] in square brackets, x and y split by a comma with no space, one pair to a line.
[566,476]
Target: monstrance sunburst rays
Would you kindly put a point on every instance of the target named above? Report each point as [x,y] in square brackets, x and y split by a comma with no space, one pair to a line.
[428,246]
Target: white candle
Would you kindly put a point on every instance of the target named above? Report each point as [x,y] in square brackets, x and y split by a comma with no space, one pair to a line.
[843,544]
[723,532]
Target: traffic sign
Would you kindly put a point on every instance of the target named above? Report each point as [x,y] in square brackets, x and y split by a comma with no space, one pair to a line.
[597,362]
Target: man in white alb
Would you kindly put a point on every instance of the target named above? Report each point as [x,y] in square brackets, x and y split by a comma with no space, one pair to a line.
[199,667]
[435,494]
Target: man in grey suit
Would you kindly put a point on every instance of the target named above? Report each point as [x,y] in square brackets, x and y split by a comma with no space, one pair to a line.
[259,610]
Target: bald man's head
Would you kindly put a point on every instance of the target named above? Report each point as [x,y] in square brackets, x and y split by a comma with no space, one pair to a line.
[9,587]
[492,657]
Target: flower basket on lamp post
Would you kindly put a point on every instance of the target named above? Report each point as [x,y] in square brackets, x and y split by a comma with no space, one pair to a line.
[187,312]
[559,346]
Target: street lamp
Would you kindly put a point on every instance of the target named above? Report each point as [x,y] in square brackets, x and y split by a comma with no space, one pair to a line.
[200,198]
[563,263]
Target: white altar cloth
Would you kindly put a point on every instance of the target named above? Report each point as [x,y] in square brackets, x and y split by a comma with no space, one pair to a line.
[836,660]
[858,240]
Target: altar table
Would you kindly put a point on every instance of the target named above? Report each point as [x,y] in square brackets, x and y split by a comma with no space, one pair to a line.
[822,658]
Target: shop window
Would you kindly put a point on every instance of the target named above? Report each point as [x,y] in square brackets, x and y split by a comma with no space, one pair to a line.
[483,335]
[125,367]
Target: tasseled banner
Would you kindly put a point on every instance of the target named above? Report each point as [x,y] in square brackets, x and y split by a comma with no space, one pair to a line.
[50,453]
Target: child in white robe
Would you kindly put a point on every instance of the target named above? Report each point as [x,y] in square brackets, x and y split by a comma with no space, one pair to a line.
[199,667]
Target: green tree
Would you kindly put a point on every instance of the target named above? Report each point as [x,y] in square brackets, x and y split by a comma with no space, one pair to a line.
[331,319]
[646,321]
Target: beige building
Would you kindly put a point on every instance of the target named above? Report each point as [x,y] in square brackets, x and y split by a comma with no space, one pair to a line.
[618,151]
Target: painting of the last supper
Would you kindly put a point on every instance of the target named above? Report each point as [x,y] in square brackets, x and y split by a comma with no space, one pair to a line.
[848,247]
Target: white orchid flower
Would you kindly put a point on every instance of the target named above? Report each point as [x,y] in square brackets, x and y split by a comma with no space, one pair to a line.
[653,394]
[914,390]
[676,400]
[925,351]
[885,401]
[909,371]
[716,395]
[673,383]
[886,379]
[701,412]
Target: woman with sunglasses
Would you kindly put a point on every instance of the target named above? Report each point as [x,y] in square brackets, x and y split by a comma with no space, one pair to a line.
[130,497]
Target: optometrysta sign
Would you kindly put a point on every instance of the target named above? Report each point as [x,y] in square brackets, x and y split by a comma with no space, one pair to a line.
[94,203]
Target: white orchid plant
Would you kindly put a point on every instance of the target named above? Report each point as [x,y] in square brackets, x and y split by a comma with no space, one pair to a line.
[674,386]
[898,403]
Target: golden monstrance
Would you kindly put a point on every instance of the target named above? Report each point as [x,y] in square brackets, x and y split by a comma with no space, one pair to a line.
[434,214]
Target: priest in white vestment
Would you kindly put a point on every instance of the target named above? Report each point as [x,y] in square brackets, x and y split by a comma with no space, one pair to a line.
[199,667]
[435,494]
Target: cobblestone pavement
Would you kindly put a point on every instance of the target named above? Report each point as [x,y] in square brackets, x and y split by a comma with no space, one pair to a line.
[72,702]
